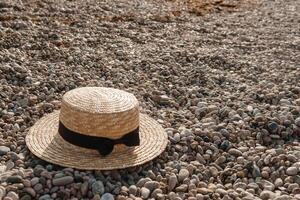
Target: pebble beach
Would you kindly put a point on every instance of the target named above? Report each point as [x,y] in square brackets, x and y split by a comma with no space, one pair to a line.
[221,77]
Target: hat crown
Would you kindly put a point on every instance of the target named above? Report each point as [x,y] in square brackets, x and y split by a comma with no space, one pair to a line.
[100,111]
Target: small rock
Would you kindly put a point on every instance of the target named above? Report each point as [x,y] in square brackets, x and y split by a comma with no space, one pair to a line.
[30,191]
[13,195]
[297,121]
[183,174]
[235,152]
[132,190]
[14,179]
[84,188]
[283,197]
[267,185]
[38,187]
[96,197]
[182,188]
[172,182]
[63,181]
[265,195]
[107,196]
[4,150]
[145,192]
[2,192]
[291,171]
[26,197]
[255,171]
[151,185]
[278,182]
[34,181]
[98,188]
[45,197]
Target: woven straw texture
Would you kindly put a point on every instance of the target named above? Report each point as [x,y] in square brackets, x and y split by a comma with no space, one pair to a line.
[99,111]
[44,141]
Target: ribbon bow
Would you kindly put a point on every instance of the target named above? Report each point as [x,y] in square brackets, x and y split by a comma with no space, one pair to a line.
[104,145]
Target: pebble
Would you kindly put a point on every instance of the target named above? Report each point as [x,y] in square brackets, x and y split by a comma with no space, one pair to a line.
[107,196]
[84,188]
[291,171]
[183,174]
[297,121]
[132,189]
[26,197]
[283,197]
[45,197]
[4,150]
[2,192]
[98,188]
[235,152]
[63,180]
[14,179]
[13,195]
[265,195]
[145,192]
[151,185]
[172,182]
[34,181]
[278,182]
[30,191]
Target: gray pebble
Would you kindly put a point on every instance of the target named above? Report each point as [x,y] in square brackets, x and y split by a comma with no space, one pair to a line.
[145,192]
[172,182]
[235,152]
[183,174]
[45,197]
[291,171]
[4,150]
[13,195]
[98,187]
[107,196]
[132,190]
[63,180]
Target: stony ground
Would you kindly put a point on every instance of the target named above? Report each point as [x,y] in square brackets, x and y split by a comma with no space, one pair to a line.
[223,78]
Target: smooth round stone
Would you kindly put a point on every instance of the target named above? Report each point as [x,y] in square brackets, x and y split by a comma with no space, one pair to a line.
[63,181]
[45,197]
[132,190]
[30,191]
[265,195]
[107,196]
[4,150]
[34,181]
[2,192]
[13,195]
[283,197]
[38,187]
[291,171]
[297,121]
[26,183]
[98,187]
[151,185]
[156,192]
[26,197]
[84,188]
[145,192]
[235,152]
[14,179]
[278,182]
[172,182]
[183,174]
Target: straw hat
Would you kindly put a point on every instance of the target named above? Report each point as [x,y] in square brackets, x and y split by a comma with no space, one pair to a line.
[97,128]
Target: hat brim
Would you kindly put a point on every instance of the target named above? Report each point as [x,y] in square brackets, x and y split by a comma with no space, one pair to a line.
[44,141]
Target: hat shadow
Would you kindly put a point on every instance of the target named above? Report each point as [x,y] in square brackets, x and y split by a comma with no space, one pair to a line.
[116,157]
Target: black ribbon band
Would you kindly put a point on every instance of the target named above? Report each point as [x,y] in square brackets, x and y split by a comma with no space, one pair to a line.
[102,144]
